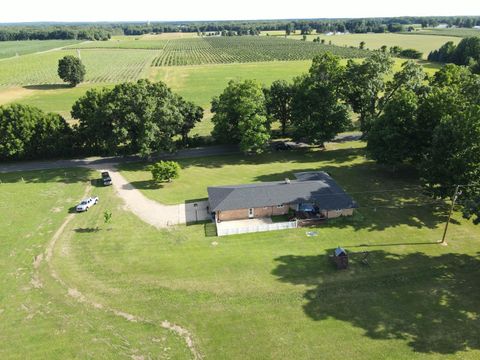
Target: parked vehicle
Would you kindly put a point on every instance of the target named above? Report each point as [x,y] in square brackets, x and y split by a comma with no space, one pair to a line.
[281,146]
[106,179]
[87,203]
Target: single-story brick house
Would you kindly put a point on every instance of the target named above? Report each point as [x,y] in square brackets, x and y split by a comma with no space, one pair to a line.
[310,191]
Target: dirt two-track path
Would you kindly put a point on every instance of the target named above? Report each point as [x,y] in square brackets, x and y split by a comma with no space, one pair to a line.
[72,292]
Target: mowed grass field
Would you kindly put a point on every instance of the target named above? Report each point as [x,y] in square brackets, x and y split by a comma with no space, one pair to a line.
[201,83]
[459,32]
[268,295]
[14,48]
[424,43]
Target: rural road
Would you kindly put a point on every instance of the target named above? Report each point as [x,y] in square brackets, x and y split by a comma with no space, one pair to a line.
[113,160]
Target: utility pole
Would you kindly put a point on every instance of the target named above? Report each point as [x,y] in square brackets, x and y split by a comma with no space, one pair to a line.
[454,199]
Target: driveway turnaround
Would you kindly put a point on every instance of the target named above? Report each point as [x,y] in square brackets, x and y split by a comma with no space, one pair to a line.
[152,212]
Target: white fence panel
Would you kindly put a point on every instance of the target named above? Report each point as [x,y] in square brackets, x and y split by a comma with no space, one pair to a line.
[258,228]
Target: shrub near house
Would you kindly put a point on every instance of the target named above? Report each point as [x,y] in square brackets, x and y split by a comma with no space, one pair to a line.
[165,171]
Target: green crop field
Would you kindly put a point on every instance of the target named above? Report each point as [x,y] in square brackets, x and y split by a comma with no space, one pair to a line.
[14,48]
[105,290]
[423,43]
[461,32]
[236,49]
[103,66]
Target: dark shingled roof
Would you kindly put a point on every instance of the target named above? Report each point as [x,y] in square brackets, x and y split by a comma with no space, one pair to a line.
[310,187]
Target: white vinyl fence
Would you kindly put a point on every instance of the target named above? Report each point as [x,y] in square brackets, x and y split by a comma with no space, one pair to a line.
[257,228]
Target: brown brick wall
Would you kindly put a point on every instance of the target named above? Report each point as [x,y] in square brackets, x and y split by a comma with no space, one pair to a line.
[334,214]
[239,214]
[232,214]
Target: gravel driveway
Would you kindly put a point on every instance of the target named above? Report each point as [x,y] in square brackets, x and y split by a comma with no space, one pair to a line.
[150,211]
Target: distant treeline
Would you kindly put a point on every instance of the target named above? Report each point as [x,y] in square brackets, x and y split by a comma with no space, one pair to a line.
[377,25]
[103,31]
[64,32]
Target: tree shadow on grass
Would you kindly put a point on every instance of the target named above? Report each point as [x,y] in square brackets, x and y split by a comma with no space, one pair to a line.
[431,303]
[66,176]
[146,185]
[87,230]
[48,87]
[329,157]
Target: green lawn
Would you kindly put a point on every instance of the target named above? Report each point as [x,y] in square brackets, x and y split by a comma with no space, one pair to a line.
[255,296]
[38,320]
[197,174]
[420,42]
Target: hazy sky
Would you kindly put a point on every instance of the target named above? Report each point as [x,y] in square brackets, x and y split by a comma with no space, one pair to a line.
[143,10]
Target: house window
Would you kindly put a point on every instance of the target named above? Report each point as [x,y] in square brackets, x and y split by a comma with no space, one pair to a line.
[280,206]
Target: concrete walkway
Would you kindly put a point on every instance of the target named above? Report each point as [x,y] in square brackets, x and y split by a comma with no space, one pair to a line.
[150,211]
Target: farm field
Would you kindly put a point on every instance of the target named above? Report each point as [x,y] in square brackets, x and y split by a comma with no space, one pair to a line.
[424,43]
[12,48]
[257,296]
[103,66]
[214,50]
[463,32]
[56,98]
[195,83]
[198,83]
[201,83]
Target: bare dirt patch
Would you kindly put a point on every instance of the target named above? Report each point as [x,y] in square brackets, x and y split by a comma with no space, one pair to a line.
[12,94]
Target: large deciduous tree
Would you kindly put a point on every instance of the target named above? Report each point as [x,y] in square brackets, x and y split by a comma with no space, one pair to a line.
[318,113]
[279,103]
[454,155]
[192,114]
[28,133]
[95,128]
[436,128]
[364,82]
[240,116]
[71,70]
[392,138]
[141,117]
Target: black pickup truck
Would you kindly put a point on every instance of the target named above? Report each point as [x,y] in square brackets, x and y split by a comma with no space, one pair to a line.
[106,179]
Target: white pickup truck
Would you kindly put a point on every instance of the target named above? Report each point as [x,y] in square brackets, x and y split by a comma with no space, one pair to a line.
[87,203]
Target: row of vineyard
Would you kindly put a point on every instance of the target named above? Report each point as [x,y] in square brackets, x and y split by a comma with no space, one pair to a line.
[215,50]
[103,66]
